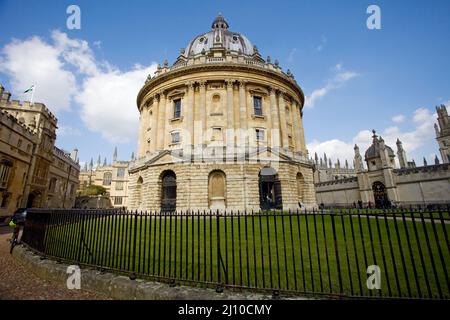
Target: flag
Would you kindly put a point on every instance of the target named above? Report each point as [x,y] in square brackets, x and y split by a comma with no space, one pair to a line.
[29,89]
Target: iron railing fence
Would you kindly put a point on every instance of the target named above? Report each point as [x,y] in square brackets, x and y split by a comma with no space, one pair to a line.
[329,252]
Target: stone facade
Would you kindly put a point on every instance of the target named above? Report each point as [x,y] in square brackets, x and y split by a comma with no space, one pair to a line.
[382,184]
[325,171]
[211,122]
[113,177]
[443,133]
[34,173]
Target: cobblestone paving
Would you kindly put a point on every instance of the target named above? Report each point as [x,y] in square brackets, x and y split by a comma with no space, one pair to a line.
[16,282]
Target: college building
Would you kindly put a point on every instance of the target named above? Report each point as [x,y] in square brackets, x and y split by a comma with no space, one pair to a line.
[33,171]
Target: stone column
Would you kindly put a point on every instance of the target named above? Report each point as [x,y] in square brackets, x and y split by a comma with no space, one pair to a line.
[167,127]
[282,109]
[201,134]
[243,105]
[296,125]
[301,131]
[162,120]
[275,125]
[188,115]
[267,109]
[230,114]
[155,121]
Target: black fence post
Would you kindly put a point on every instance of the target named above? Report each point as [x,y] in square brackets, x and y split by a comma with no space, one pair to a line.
[219,287]
[133,274]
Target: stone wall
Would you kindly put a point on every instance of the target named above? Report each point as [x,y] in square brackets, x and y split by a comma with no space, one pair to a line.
[242,185]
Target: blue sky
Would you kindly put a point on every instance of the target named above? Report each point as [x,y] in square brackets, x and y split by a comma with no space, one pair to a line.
[356,79]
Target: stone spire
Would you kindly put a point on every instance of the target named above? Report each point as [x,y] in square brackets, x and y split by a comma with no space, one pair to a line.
[91,164]
[85,167]
[325,160]
[99,160]
[436,160]
[329,162]
[104,162]
[401,154]
[346,164]
[358,162]
[115,154]
[425,162]
[132,156]
[316,158]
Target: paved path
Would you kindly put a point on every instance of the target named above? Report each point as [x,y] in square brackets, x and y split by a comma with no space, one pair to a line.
[16,282]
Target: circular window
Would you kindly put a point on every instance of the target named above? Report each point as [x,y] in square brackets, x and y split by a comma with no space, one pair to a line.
[235,38]
[202,39]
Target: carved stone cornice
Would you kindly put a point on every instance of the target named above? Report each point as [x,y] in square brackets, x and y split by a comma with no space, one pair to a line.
[190,85]
[234,67]
[229,83]
[202,84]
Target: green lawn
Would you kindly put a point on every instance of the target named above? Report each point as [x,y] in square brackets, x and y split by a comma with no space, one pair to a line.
[306,253]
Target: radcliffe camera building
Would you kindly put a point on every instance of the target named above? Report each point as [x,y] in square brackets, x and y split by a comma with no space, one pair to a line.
[221,128]
[33,171]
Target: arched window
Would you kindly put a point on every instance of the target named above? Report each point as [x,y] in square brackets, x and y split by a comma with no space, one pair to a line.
[168,191]
[300,187]
[107,178]
[217,190]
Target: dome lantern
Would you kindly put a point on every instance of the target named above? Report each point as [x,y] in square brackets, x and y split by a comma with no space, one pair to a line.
[219,23]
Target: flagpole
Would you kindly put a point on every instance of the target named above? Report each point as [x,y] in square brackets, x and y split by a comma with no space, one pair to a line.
[32,95]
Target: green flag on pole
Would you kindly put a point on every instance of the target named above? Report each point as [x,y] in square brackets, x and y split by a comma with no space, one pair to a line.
[29,89]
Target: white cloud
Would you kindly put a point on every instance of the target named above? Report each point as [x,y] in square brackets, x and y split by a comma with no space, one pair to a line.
[108,103]
[106,95]
[335,82]
[34,61]
[398,118]
[422,135]
[67,130]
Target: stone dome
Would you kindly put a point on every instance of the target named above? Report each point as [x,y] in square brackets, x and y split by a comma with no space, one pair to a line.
[374,150]
[221,37]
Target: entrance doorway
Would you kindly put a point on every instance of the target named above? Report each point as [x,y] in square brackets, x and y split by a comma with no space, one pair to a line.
[269,189]
[34,199]
[380,195]
[169,192]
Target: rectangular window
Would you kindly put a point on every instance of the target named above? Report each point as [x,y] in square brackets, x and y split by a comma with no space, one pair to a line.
[119,185]
[177,108]
[5,170]
[117,200]
[217,134]
[259,135]
[175,137]
[257,104]
[120,172]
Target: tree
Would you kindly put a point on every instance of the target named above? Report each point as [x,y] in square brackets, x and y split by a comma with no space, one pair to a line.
[93,190]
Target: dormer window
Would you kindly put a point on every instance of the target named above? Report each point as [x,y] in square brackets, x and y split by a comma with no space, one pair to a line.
[257,105]
[177,108]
